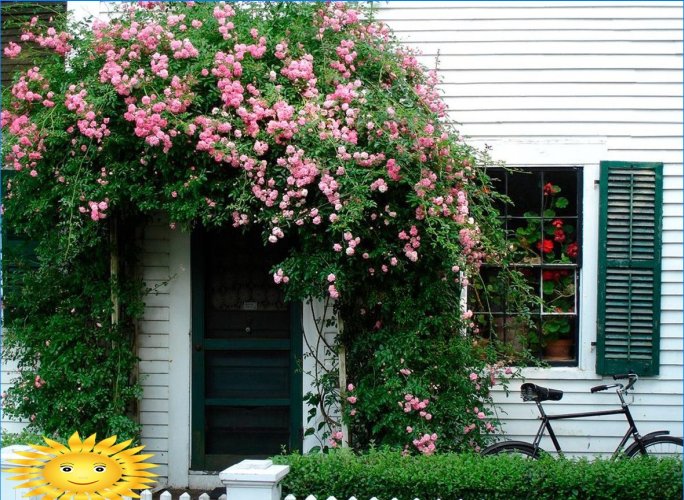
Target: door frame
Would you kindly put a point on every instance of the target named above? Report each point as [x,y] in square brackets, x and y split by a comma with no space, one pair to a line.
[197,372]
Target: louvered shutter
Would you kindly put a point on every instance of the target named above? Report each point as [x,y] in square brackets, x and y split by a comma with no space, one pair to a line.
[629,268]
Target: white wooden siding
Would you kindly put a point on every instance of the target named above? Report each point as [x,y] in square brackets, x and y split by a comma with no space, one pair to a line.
[153,343]
[7,374]
[315,316]
[530,77]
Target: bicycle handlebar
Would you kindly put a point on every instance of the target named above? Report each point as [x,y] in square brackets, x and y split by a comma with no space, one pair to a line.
[633,377]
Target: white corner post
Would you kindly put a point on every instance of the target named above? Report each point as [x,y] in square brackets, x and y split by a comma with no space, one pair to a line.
[10,490]
[254,480]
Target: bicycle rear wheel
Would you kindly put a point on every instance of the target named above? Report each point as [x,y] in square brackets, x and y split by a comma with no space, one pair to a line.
[658,446]
[515,448]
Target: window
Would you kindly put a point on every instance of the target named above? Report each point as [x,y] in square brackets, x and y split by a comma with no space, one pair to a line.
[543,231]
[629,267]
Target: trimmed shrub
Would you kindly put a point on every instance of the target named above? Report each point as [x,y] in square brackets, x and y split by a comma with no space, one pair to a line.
[387,475]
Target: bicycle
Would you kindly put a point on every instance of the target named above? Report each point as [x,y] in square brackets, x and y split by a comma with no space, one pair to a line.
[658,443]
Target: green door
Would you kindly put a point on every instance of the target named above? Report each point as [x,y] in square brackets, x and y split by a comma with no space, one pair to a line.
[247,389]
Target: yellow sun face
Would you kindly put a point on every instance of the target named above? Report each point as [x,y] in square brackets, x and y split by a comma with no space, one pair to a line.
[84,470]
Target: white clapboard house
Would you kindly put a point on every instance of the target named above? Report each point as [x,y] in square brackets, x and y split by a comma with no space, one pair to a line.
[587,95]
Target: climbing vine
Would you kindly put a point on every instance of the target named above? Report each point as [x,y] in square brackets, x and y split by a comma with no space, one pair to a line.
[308,121]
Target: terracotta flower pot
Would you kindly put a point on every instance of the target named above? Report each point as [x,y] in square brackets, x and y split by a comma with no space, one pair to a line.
[558,350]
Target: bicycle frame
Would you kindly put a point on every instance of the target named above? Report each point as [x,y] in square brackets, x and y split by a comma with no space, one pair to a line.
[624,410]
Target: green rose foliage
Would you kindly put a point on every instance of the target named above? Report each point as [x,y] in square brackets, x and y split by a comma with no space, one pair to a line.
[308,121]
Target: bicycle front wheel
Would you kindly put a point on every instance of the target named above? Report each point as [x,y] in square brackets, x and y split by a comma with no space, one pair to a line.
[658,446]
[515,448]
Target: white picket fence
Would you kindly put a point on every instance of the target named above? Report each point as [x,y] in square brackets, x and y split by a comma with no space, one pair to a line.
[147,495]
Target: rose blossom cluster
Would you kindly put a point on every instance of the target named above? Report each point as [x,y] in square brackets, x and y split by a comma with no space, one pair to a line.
[413,243]
[150,123]
[28,150]
[425,444]
[336,438]
[413,403]
[335,17]
[332,291]
[50,39]
[87,124]
[302,70]
[346,54]
[12,50]
[96,209]
[222,12]
[30,87]
[351,399]
[142,61]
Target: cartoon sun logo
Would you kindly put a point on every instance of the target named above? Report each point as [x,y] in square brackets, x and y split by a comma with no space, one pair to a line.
[84,470]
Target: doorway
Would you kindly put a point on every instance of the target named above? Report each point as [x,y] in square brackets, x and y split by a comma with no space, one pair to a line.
[246,359]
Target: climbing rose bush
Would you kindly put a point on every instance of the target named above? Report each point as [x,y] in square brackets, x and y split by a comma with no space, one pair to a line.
[306,121]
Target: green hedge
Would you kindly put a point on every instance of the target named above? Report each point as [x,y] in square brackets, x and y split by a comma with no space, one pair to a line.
[466,476]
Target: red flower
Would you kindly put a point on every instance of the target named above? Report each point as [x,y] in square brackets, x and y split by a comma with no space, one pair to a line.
[572,250]
[557,223]
[548,276]
[559,236]
[550,188]
[545,246]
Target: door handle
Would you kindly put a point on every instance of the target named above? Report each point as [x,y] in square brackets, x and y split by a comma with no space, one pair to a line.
[248,330]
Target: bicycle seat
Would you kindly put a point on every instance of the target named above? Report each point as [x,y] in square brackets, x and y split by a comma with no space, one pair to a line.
[532,392]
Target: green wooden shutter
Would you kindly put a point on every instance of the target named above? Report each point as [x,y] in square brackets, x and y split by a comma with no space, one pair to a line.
[629,267]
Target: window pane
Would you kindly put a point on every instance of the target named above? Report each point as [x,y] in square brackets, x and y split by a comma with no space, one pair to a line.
[559,290]
[560,235]
[526,240]
[560,192]
[558,334]
[498,178]
[488,293]
[524,191]
[261,430]
[247,374]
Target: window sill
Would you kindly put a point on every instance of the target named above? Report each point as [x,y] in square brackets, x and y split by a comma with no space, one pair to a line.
[560,373]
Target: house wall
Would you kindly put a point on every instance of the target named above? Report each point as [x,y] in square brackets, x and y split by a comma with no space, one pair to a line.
[572,83]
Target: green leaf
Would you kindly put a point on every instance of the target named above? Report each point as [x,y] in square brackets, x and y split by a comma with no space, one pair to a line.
[561,202]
